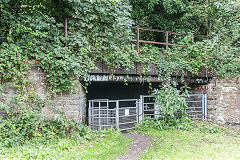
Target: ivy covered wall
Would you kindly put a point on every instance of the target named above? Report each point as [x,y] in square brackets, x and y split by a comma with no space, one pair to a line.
[72,104]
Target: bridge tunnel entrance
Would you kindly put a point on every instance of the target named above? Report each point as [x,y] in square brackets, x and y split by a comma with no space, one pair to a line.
[118,90]
[123,105]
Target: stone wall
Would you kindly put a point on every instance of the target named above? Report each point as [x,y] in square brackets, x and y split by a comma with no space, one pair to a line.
[223,97]
[74,105]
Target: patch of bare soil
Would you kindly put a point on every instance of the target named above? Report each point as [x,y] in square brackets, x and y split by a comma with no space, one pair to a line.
[140,144]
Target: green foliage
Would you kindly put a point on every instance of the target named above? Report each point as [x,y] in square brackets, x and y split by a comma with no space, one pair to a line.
[175,144]
[24,122]
[174,15]
[171,103]
[111,146]
[172,109]
[217,19]
[183,124]
[32,32]
[207,127]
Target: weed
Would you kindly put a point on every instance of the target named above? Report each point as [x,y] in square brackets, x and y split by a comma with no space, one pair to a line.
[24,122]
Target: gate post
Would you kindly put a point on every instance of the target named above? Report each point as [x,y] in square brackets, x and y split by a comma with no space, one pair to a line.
[156,110]
[117,114]
[137,110]
[140,109]
[205,105]
[99,115]
[107,114]
[90,114]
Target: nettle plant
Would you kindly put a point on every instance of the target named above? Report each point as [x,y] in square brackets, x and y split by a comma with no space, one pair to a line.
[171,102]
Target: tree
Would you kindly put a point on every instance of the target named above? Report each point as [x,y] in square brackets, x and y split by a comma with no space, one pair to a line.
[217,19]
[182,16]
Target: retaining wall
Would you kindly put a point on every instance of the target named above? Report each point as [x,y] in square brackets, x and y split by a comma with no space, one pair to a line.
[74,104]
[223,100]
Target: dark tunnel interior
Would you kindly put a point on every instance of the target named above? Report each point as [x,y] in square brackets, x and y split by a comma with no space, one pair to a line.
[118,91]
[115,91]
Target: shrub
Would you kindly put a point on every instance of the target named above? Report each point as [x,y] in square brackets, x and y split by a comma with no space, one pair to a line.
[171,103]
[23,122]
[184,123]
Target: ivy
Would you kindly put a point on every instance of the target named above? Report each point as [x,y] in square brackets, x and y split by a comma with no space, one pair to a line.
[32,32]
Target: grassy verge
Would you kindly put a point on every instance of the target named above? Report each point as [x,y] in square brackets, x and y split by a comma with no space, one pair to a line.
[109,147]
[201,143]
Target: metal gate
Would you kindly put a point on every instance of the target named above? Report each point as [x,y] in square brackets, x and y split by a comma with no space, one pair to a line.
[125,114]
[120,114]
[148,107]
[197,106]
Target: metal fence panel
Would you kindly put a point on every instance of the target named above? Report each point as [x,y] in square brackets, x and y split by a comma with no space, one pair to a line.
[104,114]
[128,115]
[125,114]
[197,106]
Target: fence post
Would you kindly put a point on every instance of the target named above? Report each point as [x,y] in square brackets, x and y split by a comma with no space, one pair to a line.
[137,110]
[107,114]
[89,114]
[203,106]
[117,114]
[138,66]
[166,39]
[140,109]
[205,97]
[137,39]
[156,110]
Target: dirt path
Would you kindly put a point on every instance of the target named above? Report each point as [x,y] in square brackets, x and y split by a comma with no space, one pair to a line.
[140,144]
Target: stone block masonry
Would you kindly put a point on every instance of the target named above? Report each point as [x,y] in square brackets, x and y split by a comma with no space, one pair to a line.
[228,101]
[223,100]
[74,104]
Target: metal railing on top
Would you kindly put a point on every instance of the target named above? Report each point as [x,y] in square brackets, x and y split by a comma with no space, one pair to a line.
[138,41]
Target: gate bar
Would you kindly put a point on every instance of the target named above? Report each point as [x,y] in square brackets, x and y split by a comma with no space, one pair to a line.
[117,114]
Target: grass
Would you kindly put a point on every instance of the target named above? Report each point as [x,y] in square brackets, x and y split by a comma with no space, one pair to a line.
[107,148]
[197,144]
[204,141]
